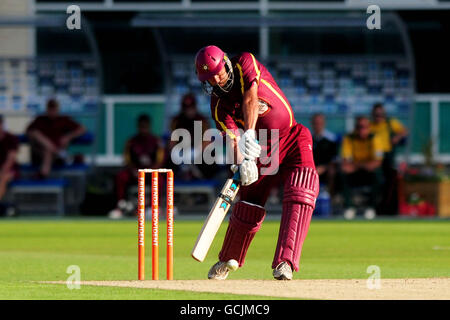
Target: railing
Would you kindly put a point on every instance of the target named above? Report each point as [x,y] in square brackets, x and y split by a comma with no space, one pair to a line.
[114,157]
[437,131]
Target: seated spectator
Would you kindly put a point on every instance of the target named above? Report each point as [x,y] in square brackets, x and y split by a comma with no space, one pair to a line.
[391,133]
[8,153]
[50,134]
[324,151]
[142,151]
[362,155]
[186,120]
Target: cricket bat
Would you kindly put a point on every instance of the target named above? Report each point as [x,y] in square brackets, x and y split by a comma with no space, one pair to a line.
[215,218]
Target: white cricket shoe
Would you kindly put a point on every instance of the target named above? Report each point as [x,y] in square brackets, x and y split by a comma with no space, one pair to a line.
[370,214]
[218,271]
[115,214]
[122,204]
[283,271]
[10,211]
[350,213]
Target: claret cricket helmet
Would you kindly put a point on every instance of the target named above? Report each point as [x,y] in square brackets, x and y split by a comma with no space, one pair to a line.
[208,62]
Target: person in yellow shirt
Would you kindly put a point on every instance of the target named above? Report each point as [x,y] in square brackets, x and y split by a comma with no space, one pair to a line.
[362,156]
[391,132]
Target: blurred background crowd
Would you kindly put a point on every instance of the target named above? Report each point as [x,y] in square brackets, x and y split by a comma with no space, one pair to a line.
[81,110]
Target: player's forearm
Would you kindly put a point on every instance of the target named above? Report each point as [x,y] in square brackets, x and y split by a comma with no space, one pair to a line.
[9,163]
[372,165]
[250,107]
[321,169]
[41,139]
[398,137]
[237,156]
[76,133]
[348,166]
[251,115]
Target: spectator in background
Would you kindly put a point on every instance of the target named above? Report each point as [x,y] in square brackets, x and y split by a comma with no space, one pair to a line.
[324,151]
[392,133]
[142,151]
[362,155]
[9,145]
[50,134]
[186,119]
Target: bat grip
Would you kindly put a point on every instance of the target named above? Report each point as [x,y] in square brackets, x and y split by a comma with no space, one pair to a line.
[237,176]
[235,169]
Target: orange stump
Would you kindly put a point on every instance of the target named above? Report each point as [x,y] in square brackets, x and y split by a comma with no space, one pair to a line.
[155,225]
[155,222]
[141,225]
[169,206]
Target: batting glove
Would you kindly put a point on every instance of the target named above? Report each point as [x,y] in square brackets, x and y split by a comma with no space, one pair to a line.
[248,172]
[249,146]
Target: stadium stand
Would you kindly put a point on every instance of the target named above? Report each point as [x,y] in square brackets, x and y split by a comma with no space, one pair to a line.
[26,83]
[328,86]
[315,79]
[38,197]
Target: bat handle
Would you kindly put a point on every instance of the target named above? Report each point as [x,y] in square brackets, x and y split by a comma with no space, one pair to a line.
[235,169]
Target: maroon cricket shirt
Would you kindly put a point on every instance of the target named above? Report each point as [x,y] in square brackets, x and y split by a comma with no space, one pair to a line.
[54,128]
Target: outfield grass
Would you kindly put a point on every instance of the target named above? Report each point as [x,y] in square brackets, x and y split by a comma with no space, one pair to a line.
[40,250]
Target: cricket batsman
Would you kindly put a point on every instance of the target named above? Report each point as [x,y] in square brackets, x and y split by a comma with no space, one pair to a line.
[245,95]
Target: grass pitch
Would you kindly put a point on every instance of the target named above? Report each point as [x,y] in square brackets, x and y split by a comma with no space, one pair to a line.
[41,250]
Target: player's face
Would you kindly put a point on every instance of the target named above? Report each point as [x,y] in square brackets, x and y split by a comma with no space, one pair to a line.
[52,112]
[143,127]
[318,124]
[220,78]
[378,115]
[190,112]
[363,128]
